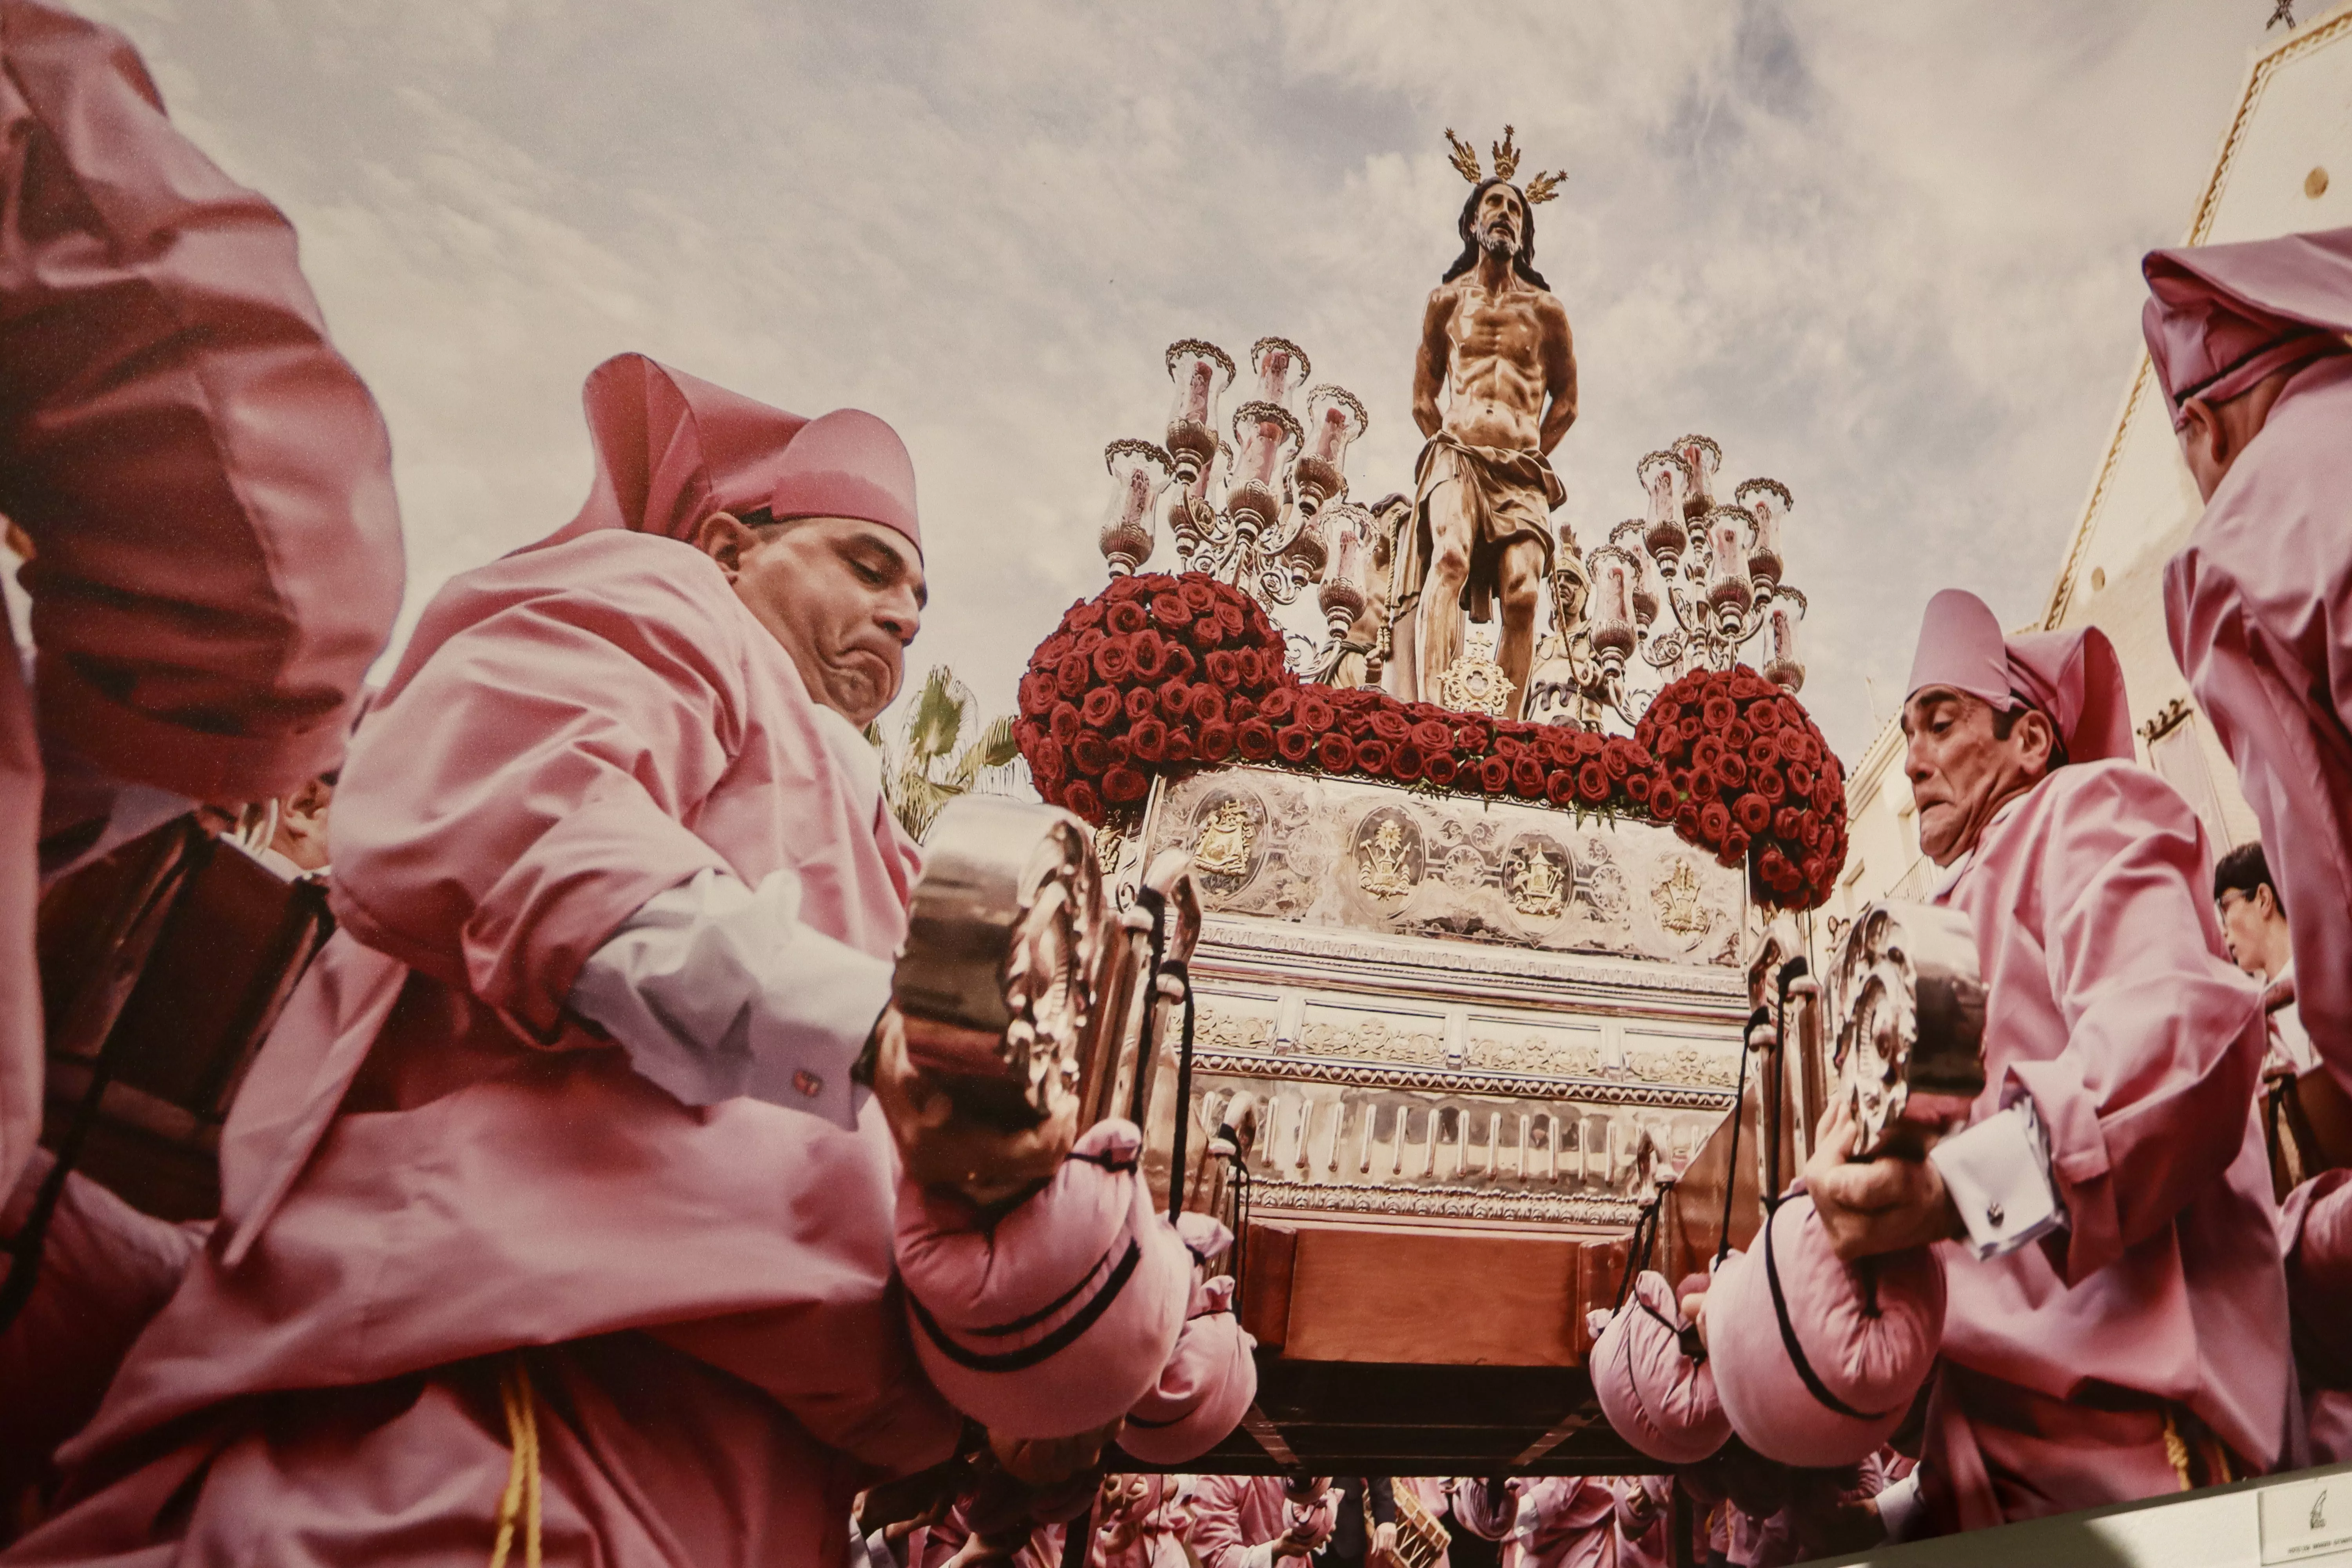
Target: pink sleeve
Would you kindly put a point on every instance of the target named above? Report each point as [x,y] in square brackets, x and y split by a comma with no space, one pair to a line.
[206,481]
[1216,1536]
[522,792]
[1486,1510]
[2146,1105]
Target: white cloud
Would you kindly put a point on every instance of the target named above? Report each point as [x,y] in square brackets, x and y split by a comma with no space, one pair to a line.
[1885,254]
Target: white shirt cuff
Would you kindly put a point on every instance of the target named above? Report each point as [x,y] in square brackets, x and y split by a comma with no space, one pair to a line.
[1258,1556]
[1899,1508]
[717,991]
[1998,1173]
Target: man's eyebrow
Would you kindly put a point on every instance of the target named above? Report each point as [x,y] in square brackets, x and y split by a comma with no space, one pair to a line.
[880,554]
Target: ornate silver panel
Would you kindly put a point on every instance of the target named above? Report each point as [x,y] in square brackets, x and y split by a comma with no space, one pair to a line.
[1314,851]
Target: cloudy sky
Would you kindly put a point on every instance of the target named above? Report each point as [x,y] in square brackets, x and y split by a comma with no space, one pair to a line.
[1884,253]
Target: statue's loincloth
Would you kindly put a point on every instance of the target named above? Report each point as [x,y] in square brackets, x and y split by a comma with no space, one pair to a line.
[1509,495]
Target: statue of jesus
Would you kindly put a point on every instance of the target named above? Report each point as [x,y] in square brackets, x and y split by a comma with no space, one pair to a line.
[1495,339]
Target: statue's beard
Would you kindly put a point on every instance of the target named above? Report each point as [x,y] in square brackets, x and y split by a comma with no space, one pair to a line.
[1498,242]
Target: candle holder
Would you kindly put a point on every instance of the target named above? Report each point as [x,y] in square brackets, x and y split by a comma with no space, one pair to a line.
[1347,528]
[1281,367]
[1266,437]
[1139,472]
[1201,373]
[1334,419]
[1688,585]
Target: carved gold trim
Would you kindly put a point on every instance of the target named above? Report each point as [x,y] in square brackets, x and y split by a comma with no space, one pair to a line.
[1437,1203]
[1521,1086]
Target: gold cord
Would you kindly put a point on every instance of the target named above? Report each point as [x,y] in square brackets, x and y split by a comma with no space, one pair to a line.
[2174,1449]
[521,1496]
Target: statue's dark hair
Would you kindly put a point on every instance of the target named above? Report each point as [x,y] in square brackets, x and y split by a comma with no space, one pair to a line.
[1523,263]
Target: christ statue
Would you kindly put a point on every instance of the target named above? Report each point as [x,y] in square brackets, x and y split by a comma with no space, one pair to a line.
[1494,342]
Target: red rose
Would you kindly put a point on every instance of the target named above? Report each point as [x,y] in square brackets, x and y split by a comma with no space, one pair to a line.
[1122,750]
[1732,768]
[1121,785]
[1703,785]
[1141,702]
[1527,778]
[1686,818]
[1753,813]
[1182,748]
[1036,696]
[1147,655]
[1637,788]
[1813,870]
[1178,663]
[1216,742]
[1168,610]
[1046,763]
[1405,763]
[1114,660]
[1713,822]
[1373,756]
[1734,850]
[1207,706]
[1591,782]
[1209,631]
[1334,754]
[1313,712]
[1718,713]
[1738,736]
[1764,752]
[1810,832]
[1764,718]
[1708,751]
[1294,741]
[1440,768]
[1770,783]
[1787,822]
[1053,650]
[1824,797]
[1560,786]
[1254,739]
[1089,752]
[1081,616]
[1495,774]
[1586,746]
[1148,739]
[1123,617]
[1689,729]
[1278,704]
[1800,778]
[1081,799]
[1390,725]
[1230,617]
[1240,710]
[1773,865]
[1433,735]
[1175,700]
[1471,735]
[1198,595]
[1618,757]
[1100,709]
[1064,724]
[1071,676]
[1224,667]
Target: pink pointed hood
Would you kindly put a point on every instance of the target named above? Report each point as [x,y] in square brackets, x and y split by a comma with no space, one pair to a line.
[2073,676]
[2221,318]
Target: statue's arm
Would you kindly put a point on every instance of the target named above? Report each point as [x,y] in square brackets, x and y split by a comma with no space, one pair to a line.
[1559,373]
[1429,365]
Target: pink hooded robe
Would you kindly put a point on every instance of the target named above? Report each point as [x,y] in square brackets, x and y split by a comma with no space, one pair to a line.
[206,481]
[2111,1006]
[433,1162]
[2259,601]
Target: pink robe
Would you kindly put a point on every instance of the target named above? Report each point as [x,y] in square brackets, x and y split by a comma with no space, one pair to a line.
[572,731]
[2315,1232]
[2259,605]
[1645,1517]
[1564,1521]
[1144,1529]
[1232,1515]
[205,481]
[2112,1007]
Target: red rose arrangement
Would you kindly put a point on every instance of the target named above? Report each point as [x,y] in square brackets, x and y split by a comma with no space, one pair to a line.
[1161,676]
[1742,770]
[1154,676]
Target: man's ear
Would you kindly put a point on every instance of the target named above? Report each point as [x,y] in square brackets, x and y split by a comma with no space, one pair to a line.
[2036,736]
[725,538]
[2265,901]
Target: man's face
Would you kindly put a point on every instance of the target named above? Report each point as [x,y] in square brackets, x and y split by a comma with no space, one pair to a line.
[2246,928]
[843,596]
[1501,222]
[1961,772]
